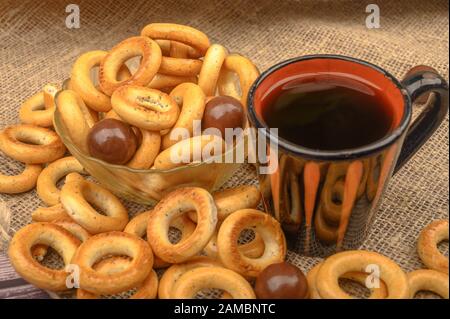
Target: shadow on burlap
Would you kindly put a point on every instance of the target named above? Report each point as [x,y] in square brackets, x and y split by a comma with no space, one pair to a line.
[37,48]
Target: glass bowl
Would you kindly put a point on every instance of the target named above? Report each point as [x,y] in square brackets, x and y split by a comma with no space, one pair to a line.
[147,186]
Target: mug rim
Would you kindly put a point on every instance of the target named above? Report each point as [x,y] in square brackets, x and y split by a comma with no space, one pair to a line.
[327,155]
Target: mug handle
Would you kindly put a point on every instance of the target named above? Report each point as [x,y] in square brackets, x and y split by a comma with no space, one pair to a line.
[419,82]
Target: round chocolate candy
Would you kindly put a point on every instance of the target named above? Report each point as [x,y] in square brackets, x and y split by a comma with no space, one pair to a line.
[223,112]
[112,140]
[281,281]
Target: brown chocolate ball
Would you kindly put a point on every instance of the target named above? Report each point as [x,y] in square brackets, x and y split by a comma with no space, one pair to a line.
[223,112]
[112,140]
[281,281]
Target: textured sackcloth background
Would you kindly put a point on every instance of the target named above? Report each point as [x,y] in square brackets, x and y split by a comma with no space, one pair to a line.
[37,48]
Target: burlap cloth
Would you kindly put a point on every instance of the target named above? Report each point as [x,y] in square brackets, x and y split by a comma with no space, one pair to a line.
[37,48]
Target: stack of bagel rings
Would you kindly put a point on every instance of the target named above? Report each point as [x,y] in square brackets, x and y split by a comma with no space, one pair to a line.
[192,239]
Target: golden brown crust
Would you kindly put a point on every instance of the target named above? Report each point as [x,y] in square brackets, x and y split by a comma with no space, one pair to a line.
[428,280]
[118,55]
[263,224]
[31,144]
[191,99]
[170,207]
[46,184]
[76,197]
[174,272]
[350,261]
[49,214]
[113,243]
[145,108]
[194,280]
[22,182]
[23,262]
[427,248]
[180,33]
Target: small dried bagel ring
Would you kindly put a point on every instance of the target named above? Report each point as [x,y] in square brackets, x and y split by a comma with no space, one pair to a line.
[251,249]
[429,238]
[428,280]
[245,70]
[174,272]
[179,33]
[49,214]
[170,207]
[23,262]
[31,144]
[161,81]
[22,182]
[198,148]
[81,82]
[46,183]
[190,283]
[212,63]
[191,99]
[359,277]
[147,290]
[76,117]
[68,224]
[180,67]
[113,244]
[349,261]
[76,196]
[34,112]
[147,150]
[135,46]
[145,108]
[232,199]
[138,226]
[263,224]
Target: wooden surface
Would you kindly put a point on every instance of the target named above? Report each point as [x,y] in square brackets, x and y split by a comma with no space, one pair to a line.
[12,286]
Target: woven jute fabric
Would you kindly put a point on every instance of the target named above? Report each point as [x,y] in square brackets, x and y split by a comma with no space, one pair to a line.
[36,47]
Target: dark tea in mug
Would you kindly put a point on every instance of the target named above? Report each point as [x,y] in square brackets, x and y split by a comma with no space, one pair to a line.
[328,112]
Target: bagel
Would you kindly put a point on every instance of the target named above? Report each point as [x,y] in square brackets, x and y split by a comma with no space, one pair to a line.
[179,33]
[138,227]
[191,99]
[145,108]
[76,197]
[76,117]
[427,248]
[210,71]
[428,280]
[31,144]
[52,235]
[23,182]
[359,277]
[200,148]
[336,265]
[34,110]
[174,272]
[135,46]
[191,282]
[147,290]
[266,226]
[170,207]
[113,244]
[46,183]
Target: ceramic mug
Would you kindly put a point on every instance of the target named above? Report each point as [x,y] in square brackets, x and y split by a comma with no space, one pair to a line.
[326,201]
